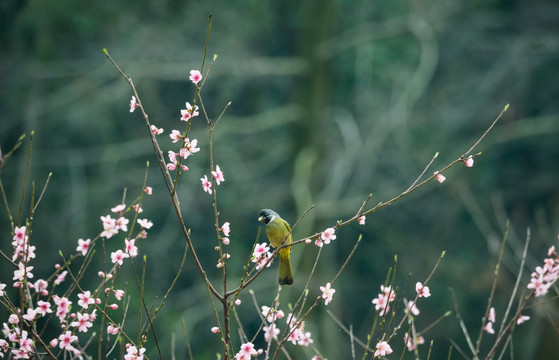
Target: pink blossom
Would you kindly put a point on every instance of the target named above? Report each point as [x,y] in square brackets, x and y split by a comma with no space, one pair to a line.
[195,76]
[185,114]
[190,147]
[175,136]
[132,353]
[388,292]
[238,302]
[272,314]
[148,190]
[112,329]
[86,299]
[133,104]
[121,224]
[130,248]
[43,308]
[25,344]
[218,175]
[522,319]
[13,319]
[225,240]
[489,328]
[318,242]
[327,293]
[225,228]
[304,339]
[109,227]
[82,322]
[422,291]
[118,257]
[155,130]
[248,349]
[361,220]
[61,277]
[41,287]
[411,307]
[2,287]
[19,235]
[469,162]
[439,177]
[30,315]
[189,112]
[381,303]
[63,306]
[411,344]
[83,246]
[382,349]
[145,223]
[328,235]
[118,294]
[119,208]
[66,340]
[271,332]
[491,316]
[172,159]
[22,272]
[20,354]
[206,185]
[215,330]
[260,255]
[294,336]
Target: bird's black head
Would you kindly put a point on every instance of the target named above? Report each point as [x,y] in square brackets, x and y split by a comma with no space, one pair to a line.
[267,215]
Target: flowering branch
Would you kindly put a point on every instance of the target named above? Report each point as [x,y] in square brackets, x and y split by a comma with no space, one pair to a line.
[168,181]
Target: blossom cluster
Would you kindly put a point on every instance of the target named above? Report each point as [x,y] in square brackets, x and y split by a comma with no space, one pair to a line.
[382,302]
[545,276]
[247,351]
[297,333]
[47,305]
[261,255]
[325,237]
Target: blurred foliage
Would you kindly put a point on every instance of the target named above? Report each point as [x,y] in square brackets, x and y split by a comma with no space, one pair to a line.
[331,101]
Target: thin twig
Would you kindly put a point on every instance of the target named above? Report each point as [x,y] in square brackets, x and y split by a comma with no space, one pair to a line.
[347,331]
[493,287]
[486,131]
[461,322]
[517,284]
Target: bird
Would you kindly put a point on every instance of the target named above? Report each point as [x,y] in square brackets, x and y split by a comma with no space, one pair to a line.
[278,230]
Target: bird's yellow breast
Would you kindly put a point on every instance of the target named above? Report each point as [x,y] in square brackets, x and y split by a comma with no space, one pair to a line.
[277,230]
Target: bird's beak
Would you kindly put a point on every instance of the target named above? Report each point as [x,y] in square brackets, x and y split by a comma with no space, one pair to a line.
[260,218]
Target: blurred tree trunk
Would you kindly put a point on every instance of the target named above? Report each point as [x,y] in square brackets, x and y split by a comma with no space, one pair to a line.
[314,96]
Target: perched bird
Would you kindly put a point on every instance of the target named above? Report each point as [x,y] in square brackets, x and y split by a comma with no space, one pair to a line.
[277,231]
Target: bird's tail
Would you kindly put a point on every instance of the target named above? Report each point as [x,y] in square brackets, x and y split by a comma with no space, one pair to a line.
[285,272]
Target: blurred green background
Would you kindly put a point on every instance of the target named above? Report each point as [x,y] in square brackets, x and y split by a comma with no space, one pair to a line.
[331,101]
